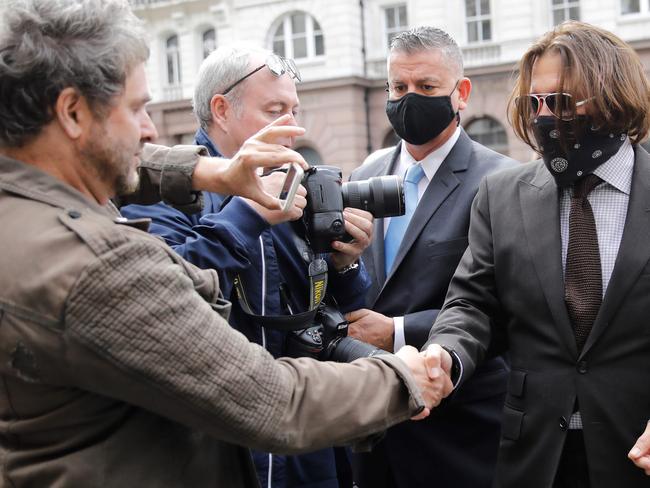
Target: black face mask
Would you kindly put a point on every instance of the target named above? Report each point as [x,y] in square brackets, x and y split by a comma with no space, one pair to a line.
[417,118]
[573,149]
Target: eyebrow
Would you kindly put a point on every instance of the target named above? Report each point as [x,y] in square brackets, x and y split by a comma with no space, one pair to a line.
[419,80]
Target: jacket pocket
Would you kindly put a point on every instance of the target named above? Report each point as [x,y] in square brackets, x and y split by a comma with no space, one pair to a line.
[511,423]
[454,246]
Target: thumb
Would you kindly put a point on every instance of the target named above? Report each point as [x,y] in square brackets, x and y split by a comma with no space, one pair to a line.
[642,446]
[266,200]
[433,360]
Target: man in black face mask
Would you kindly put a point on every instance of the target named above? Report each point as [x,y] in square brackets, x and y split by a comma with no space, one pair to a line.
[412,258]
[557,270]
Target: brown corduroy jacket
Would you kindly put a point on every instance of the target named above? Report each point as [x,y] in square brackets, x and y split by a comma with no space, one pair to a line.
[118,368]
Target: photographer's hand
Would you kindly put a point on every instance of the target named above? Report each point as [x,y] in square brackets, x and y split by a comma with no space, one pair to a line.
[359,224]
[428,371]
[371,327]
[272,185]
[238,176]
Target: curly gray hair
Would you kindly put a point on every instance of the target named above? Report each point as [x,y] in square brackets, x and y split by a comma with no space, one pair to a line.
[49,45]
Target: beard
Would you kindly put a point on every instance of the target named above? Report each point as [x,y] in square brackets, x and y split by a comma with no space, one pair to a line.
[111,161]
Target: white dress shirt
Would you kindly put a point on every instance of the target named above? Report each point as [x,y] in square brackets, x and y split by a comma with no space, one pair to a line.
[430,165]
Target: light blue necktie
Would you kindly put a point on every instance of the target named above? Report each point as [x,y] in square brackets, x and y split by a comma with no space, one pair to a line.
[398,225]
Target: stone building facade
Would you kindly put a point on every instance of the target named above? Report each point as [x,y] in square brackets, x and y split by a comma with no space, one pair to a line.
[340,48]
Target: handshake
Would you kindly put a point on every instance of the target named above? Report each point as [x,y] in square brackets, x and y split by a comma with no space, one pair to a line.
[432,371]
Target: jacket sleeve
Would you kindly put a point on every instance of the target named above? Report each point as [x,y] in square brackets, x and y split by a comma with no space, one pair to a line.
[166,175]
[220,240]
[349,289]
[465,321]
[148,338]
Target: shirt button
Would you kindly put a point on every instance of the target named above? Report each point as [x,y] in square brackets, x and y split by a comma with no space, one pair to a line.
[74,214]
[564,424]
[582,367]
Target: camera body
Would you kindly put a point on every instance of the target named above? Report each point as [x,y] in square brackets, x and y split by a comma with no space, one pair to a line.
[327,195]
[327,339]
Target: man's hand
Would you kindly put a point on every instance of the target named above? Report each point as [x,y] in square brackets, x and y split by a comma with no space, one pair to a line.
[238,176]
[428,371]
[640,453]
[358,223]
[272,185]
[371,327]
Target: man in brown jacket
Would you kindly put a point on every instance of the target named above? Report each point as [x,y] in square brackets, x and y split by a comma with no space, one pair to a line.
[117,367]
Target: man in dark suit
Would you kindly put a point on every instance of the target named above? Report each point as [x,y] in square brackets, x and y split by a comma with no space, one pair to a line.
[558,251]
[412,259]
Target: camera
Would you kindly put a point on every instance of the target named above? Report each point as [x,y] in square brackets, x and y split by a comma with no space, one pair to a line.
[327,339]
[327,195]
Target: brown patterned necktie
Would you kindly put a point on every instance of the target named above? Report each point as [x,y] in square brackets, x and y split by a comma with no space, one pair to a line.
[583,285]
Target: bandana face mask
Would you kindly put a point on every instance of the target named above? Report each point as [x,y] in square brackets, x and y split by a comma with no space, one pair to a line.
[569,153]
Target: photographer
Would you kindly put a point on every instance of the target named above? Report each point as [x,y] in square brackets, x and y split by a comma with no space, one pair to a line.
[116,363]
[238,91]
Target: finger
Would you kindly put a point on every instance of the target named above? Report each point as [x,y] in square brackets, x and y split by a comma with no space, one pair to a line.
[447,387]
[361,213]
[266,200]
[354,230]
[356,314]
[347,248]
[300,202]
[422,415]
[301,191]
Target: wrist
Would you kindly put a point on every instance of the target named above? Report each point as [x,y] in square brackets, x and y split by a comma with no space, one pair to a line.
[347,268]
[208,175]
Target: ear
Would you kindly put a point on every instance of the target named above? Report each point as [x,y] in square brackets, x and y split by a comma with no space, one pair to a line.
[72,112]
[464,89]
[221,111]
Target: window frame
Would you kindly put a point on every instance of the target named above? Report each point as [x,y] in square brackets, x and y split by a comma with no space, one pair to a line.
[479,19]
[393,30]
[497,124]
[565,7]
[202,41]
[176,60]
[288,36]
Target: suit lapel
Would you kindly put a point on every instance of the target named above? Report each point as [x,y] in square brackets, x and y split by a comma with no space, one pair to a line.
[633,253]
[444,182]
[377,246]
[540,209]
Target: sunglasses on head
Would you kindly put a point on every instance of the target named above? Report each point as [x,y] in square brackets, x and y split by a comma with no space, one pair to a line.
[561,105]
[276,65]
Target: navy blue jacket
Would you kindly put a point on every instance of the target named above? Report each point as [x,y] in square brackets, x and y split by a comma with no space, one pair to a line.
[232,238]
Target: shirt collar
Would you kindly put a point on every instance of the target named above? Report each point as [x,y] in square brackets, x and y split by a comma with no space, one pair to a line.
[201,138]
[431,162]
[617,170]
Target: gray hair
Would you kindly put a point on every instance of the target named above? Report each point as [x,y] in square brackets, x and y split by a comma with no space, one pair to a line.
[49,45]
[425,37]
[223,67]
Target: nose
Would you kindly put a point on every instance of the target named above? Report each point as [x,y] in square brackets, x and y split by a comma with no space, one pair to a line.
[543,108]
[148,132]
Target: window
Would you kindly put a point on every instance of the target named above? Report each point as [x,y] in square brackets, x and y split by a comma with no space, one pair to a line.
[489,132]
[173,55]
[395,22]
[298,36]
[630,6]
[208,42]
[311,155]
[565,10]
[479,27]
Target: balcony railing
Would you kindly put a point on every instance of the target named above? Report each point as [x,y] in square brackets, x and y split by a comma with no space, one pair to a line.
[481,55]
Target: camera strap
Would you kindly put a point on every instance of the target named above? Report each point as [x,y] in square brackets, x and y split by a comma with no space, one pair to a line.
[317,290]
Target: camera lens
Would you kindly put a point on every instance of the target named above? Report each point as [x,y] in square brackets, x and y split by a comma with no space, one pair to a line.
[382,196]
[348,349]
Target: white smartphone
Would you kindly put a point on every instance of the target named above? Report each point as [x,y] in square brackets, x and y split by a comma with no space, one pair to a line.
[290,186]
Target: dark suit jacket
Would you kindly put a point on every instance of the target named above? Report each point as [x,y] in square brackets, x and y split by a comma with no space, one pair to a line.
[513,270]
[457,445]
